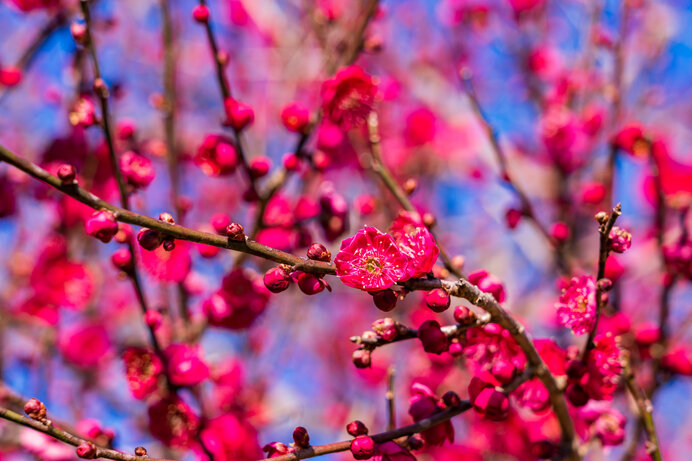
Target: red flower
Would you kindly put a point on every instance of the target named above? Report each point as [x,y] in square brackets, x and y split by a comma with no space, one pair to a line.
[493,353]
[392,451]
[173,422]
[142,368]
[137,169]
[422,405]
[347,98]
[185,366]
[415,241]
[231,439]
[238,303]
[216,156]
[603,368]
[576,308]
[85,346]
[372,261]
[167,266]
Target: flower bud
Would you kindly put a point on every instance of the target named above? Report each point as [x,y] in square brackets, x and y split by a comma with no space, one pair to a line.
[456,349]
[166,217]
[432,337]
[386,328]
[259,166]
[410,186]
[464,316]
[235,232]
[290,162]
[79,32]
[295,117]
[169,244]
[543,449]
[140,451]
[601,217]
[620,240]
[560,232]
[513,217]
[35,409]
[122,259]
[67,174]
[86,450]
[429,220]
[385,300]
[153,318]
[576,395]
[415,442]
[149,239]
[605,284]
[438,300]
[451,399]
[239,115]
[319,252]
[220,221]
[200,13]
[301,438]
[102,225]
[356,428]
[277,279]
[492,403]
[362,447]
[361,358]
[310,284]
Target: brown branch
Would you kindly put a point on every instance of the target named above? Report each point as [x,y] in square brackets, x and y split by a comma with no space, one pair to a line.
[464,289]
[389,397]
[382,437]
[603,252]
[66,437]
[176,231]
[645,413]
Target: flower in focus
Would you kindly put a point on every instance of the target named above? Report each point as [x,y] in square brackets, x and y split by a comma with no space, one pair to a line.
[576,308]
[371,261]
[347,98]
[620,239]
[415,241]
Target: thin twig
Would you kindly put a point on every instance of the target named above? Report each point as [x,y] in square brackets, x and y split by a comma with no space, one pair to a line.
[645,412]
[389,397]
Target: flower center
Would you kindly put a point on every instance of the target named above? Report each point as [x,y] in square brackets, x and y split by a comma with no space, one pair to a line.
[373,266]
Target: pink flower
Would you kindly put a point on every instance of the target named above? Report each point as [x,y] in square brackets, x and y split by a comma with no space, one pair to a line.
[231,439]
[137,169]
[295,117]
[620,239]
[631,139]
[488,283]
[371,261]
[167,266]
[216,156]
[604,421]
[85,346]
[493,353]
[142,368]
[102,225]
[30,5]
[347,98]
[415,241]
[185,365]
[576,308]
[533,394]
[488,401]
[420,127]
[241,299]
[603,368]
[422,405]
[173,422]
[392,451]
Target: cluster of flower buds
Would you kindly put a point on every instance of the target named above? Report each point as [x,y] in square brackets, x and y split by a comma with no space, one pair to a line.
[67,174]
[362,446]
[620,239]
[301,440]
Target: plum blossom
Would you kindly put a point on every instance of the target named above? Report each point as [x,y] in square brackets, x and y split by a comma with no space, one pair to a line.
[424,404]
[576,308]
[185,365]
[142,369]
[415,241]
[372,261]
[347,98]
[173,422]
